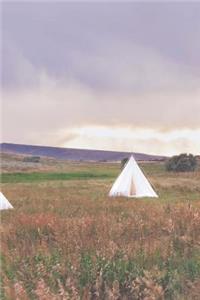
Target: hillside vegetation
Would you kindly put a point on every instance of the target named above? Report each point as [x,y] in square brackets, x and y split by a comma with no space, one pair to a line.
[66,239]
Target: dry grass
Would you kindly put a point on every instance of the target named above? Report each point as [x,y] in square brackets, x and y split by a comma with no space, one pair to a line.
[68,240]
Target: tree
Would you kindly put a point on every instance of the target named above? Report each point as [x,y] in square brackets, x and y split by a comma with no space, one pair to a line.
[182,163]
[123,162]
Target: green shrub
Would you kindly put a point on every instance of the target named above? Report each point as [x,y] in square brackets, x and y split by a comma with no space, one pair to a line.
[182,163]
[123,162]
[33,159]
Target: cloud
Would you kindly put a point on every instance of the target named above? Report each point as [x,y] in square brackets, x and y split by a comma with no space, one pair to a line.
[73,40]
[143,90]
[17,71]
[41,113]
[61,73]
[135,140]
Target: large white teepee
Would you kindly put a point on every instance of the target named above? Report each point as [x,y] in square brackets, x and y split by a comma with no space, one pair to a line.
[132,182]
[4,203]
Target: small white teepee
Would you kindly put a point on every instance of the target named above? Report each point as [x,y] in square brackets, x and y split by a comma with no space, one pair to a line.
[132,182]
[4,203]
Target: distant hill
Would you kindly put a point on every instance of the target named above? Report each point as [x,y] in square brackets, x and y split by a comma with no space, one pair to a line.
[75,154]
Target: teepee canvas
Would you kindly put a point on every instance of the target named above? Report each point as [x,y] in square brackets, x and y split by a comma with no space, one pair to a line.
[132,182]
[4,203]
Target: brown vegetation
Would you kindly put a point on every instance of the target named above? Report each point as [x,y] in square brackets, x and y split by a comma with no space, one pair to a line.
[68,240]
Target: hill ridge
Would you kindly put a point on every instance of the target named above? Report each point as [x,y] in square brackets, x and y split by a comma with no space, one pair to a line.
[75,154]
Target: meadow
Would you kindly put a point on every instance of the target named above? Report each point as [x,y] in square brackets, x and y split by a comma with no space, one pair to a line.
[66,239]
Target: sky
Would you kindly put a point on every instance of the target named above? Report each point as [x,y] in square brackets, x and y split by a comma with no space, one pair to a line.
[111,76]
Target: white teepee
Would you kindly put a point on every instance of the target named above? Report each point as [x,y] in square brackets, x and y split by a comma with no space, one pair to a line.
[132,182]
[4,203]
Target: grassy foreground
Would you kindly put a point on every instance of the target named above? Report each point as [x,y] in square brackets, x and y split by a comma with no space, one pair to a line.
[66,239]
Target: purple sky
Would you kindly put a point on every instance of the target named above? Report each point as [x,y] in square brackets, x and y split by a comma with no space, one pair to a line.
[72,69]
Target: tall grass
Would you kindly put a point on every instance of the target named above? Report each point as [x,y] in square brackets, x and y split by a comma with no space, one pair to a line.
[67,240]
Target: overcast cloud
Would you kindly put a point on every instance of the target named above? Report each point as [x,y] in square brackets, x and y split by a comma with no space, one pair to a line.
[131,66]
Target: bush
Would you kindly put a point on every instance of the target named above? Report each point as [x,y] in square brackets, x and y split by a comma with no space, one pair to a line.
[182,163]
[123,162]
[33,159]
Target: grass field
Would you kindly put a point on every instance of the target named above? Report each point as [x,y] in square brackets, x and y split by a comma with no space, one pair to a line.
[66,239]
